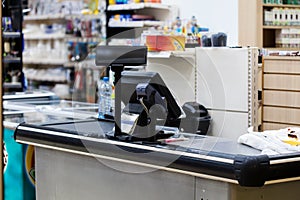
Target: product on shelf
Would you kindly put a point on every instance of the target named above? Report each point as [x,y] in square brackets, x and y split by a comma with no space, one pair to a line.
[165,42]
[288,38]
[281,24]
[6,24]
[84,27]
[280,2]
[179,34]
[78,51]
[54,7]
[11,48]
[282,17]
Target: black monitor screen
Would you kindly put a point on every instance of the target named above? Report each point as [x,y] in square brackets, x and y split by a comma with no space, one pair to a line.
[121,55]
[129,81]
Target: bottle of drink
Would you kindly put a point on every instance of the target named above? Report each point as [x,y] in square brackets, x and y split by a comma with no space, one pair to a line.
[105,91]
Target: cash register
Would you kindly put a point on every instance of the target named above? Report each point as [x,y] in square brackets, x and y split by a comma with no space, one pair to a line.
[148,102]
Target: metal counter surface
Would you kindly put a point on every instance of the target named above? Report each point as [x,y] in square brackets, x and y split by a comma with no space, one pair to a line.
[200,156]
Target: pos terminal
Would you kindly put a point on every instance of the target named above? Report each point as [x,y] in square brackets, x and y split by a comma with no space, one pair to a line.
[148,102]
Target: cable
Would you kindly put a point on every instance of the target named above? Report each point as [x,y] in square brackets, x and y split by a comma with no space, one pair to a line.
[145,108]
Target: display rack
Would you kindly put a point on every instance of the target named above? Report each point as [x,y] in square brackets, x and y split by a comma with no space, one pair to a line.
[12,40]
[57,46]
[223,74]
[160,12]
[37,61]
[281,92]
[280,26]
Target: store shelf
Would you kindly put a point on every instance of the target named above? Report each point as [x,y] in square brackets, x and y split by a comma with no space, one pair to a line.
[281,90]
[187,53]
[277,58]
[70,64]
[83,39]
[44,17]
[269,30]
[53,82]
[11,34]
[282,49]
[168,54]
[161,54]
[46,61]
[161,12]
[281,6]
[82,16]
[12,47]
[136,6]
[44,36]
[154,23]
[134,24]
[59,17]
[12,85]
[61,36]
[281,27]
[11,60]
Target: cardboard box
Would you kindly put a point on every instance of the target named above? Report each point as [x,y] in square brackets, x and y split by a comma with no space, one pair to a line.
[165,43]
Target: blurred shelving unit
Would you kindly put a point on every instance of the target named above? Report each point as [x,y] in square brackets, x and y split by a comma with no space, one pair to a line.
[118,28]
[12,39]
[57,42]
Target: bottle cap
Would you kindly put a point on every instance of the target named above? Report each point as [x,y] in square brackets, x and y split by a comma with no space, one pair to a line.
[105,79]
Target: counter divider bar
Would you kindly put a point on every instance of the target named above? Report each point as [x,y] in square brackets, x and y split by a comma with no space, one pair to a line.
[112,142]
[284,161]
[282,180]
[199,175]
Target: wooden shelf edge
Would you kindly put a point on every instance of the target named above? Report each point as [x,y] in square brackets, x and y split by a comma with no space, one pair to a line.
[136,6]
[45,36]
[55,17]
[12,85]
[48,81]
[11,34]
[47,61]
[281,5]
[281,48]
[295,58]
[281,27]
[134,24]
[11,60]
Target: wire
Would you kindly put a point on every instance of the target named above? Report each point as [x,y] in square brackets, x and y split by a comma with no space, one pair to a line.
[145,108]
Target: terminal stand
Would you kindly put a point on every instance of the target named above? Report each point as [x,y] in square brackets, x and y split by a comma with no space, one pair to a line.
[117,57]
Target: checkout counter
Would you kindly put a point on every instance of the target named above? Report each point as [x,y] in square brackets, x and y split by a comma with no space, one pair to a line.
[91,159]
[76,161]
[31,107]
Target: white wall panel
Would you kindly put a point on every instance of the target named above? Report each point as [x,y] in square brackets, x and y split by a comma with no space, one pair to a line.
[218,15]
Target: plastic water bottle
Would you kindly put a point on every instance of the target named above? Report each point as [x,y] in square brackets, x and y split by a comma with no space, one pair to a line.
[105,91]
